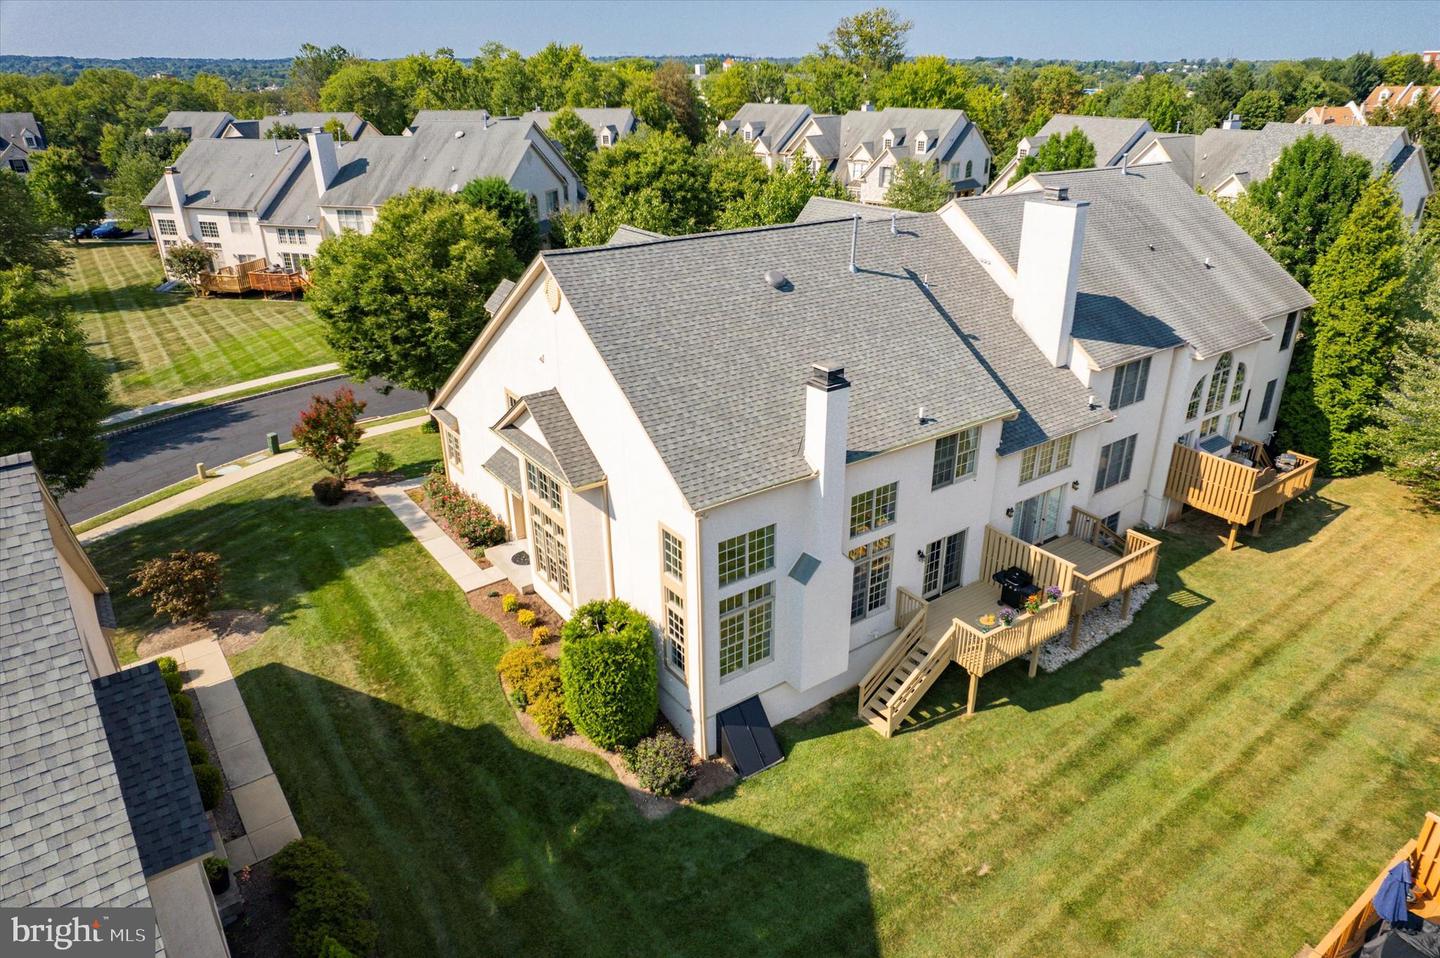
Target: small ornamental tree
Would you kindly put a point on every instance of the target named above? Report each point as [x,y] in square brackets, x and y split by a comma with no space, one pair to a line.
[608,672]
[181,585]
[917,186]
[283,131]
[187,262]
[329,431]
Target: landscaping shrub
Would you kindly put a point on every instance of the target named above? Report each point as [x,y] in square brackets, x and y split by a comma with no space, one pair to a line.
[174,682]
[215,867]
[661,763]
[329,491]
[518,663]
[540,635]
[543,681]
[384,463]
[167,665]
[509,602]
[549,715]
[212,784]
[331,948]
[607,667]
[430,425]
[469,518]
[199,755]
[184,708]
[518,699]
[181,585]
[329,431]
[188,731]
[326,903]
[525,618]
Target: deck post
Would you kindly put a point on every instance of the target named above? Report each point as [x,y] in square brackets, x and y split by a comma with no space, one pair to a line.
[1230,542]
[1075,631]
[1255,529]
[1125,605]
[970,699]
[1035,660]
[1280,513]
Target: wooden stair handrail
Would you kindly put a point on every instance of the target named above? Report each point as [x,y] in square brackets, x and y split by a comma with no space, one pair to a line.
[904,643]
[918,682]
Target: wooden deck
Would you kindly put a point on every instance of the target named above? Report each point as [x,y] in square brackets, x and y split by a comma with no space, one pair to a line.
[1345,939]
[1241,495]
[230,279]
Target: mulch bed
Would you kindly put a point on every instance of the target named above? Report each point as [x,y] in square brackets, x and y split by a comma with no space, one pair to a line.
[263,930]
[489,606]
[226,815]
[417,496]
[235,629]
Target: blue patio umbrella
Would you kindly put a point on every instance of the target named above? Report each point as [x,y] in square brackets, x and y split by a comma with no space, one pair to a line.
[1390,900]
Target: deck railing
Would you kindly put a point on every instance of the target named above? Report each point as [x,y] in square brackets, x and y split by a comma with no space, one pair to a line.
[1239,494]
[273,281]
[230,279]
[1137,560]
[1001,551]
[979,652]
[907,604]
[911,634]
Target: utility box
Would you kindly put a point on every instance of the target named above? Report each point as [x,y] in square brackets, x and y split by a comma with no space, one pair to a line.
[272,442]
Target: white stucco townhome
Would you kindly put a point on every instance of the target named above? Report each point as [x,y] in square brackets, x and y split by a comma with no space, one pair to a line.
[780,453]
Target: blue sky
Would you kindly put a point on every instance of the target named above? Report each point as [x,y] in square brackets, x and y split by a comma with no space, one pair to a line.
[1100,29]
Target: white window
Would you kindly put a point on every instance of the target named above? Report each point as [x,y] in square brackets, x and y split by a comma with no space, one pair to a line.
[1037,519]
[955,457]
[1219,384]
[672,588]
[672,555]
[552,201]
[19,165]
[543,485]
[870,584]
[552,555]
[921,144]
[534,205]
[209,229]
[350,219]
[857,170]
[1045,458]
[166,227]
[295,261]
[954,172]
[886,174]
[217,252]
[452,450]
[889,141]
[1116,459]
[969,168]
[293,237]
[1210,427]
[747,555]
[1238,390]
[239,222]
[31,142]
[1129,384]
[605,138]
[871,510]
[1193,408]
[747,620]
[944,563]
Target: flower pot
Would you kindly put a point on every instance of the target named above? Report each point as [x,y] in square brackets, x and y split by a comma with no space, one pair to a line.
[220,882]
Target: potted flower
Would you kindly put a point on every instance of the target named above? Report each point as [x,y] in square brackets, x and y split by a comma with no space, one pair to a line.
[218,871]
[1053,593]
[1034,601]
[1006,615]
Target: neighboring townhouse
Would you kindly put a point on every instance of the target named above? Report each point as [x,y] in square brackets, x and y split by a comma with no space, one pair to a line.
[1202,160]
[611,124]
[767,127]
[20,136]
[1113,138]
[779,442]
[274,201]
[210,125]
[1348,115]
[98,805]
[196,124]
[1397,97]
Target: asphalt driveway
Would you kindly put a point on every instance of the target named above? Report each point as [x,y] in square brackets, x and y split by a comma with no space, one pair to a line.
[151,457]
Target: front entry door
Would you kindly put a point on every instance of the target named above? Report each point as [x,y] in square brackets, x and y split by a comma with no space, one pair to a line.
[517,514]
[1037,519]
[944,559]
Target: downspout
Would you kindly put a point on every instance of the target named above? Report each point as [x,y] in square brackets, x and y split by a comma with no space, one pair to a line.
[609,545]
[1159,425]
[702,723]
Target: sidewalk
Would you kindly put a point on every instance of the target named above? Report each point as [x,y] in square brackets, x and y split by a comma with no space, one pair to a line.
[264,810]
[210,486]
[454,560]
[130,414]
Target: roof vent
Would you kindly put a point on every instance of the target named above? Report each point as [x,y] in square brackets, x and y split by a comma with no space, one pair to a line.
[459,134]
[1060,193]
[777,280]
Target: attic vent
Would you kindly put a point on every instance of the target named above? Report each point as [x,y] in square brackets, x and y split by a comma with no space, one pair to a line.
[777,280]
[552,293]
[459,134]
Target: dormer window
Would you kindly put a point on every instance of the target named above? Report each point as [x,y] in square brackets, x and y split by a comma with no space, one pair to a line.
[605,138]
[30,141]
[748,135]
[921,144]
[889,141]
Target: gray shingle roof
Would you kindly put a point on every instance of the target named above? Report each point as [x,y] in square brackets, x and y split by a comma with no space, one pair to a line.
[1111,135]
[65,837]
[870,126]
[568,454]
[354,125]
[502,290]
[1374,143]
[1134,300]
[197,124]
[782,121]
[1215,152]
[631,234]
[1180,147]
[156,780]
[13,127]
[229,174]
[819,208]
[505,467]
[621,118]
[713,359]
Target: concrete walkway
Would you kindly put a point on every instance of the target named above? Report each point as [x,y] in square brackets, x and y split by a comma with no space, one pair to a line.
[454,560]
[263,808]
[211,486]
[217,393]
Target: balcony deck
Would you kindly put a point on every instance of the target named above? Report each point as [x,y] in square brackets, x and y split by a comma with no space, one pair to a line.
[1240,494]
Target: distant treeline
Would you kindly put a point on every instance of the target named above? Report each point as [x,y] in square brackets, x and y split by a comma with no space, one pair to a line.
[240,74]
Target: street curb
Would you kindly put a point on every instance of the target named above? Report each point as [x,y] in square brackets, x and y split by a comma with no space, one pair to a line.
[122,430]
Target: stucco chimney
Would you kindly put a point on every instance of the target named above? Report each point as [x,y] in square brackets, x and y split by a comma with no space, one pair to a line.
[175,189]
[1052,239]
[322,159]
[825,652]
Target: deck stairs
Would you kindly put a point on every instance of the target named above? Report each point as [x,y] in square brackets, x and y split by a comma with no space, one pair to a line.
[902,676]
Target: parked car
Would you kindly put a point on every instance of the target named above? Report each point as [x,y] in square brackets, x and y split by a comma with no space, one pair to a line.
[110,230]
[83,230]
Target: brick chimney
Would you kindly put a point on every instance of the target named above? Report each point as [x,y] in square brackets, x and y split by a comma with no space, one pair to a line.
[322,159]
[1052,239]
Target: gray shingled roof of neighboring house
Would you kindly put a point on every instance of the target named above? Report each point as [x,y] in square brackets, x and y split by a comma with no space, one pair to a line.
[631,234]
[1180,147]
[449,116]
[824,208]
[229,174]
[1215,152]
[622,118]
[197,124]
[298,201]
[505,467]
[782,121]
[65,836]
[713,359]
[1371,142]
[870,126]
[1111,135]
[502,289]
[13,126]
[353,124]
[1134,299]
[156,779]
[565,451]
[827,140]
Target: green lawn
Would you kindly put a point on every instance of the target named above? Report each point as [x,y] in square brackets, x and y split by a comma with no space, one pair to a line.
[1221,779]
[163,345]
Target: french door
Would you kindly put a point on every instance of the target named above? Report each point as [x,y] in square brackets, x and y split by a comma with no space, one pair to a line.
[1037,519]
[944,560]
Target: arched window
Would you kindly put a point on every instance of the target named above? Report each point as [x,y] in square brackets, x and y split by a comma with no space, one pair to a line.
[969,168]
[1193,409]
[1238,389]
[1219,384]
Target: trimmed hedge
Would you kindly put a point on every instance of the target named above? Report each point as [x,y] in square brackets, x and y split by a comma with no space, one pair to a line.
[197,752]
[328,906]
[518,663]
[329,490]
[211,783]
[607,669]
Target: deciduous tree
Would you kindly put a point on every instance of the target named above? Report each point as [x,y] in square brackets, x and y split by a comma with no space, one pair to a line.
[310,69]
[1073,151]
[64,193]
[329,432]
[575,137]
[873,40]
[187,262]
[512,207]
[24,237]
[917,186]
[781,197]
